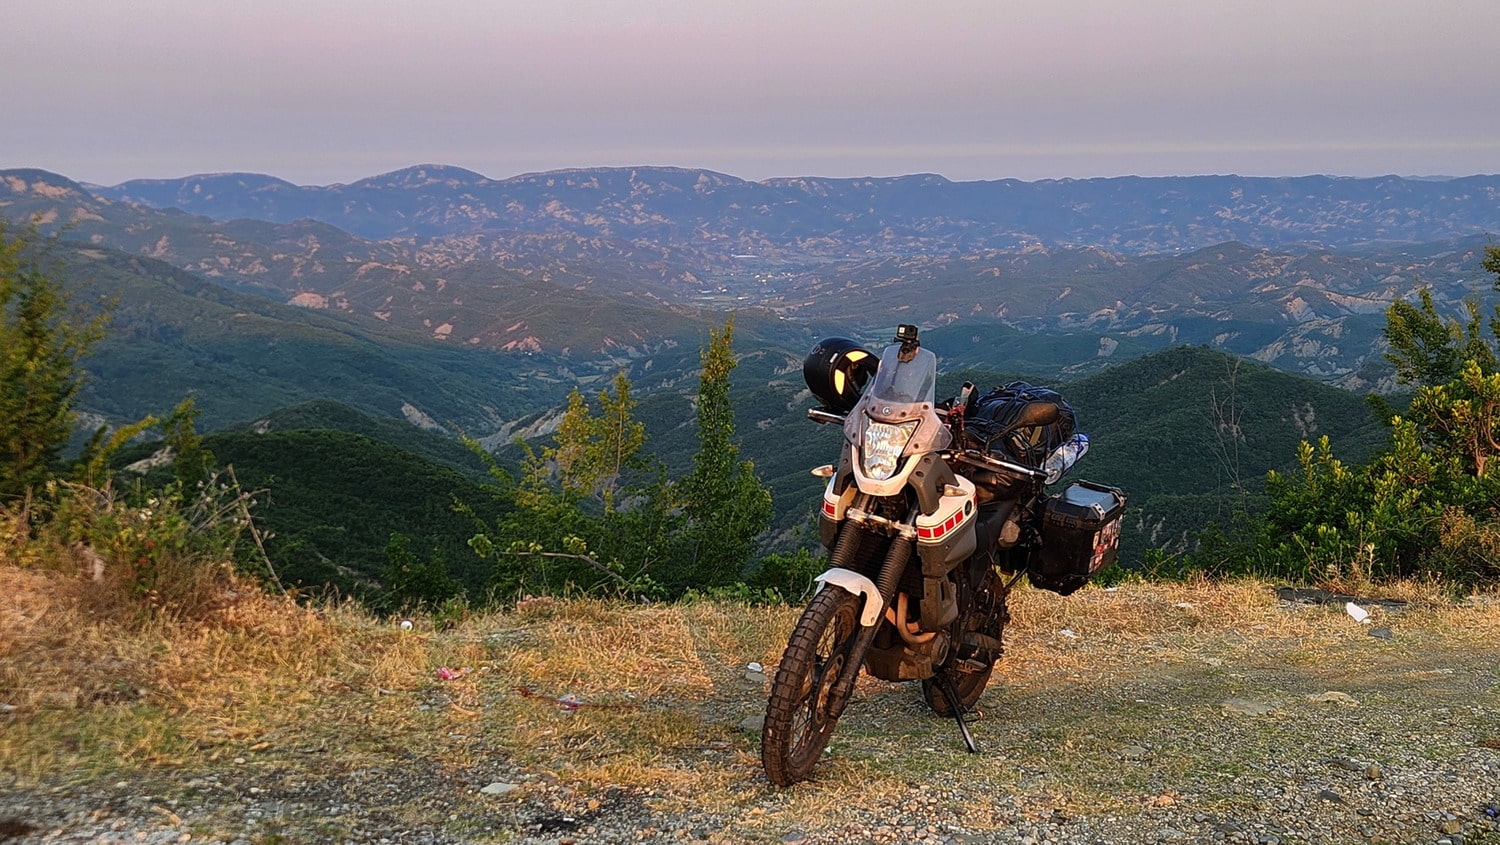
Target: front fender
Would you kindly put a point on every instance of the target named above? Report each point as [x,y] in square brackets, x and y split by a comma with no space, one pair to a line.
[856,584]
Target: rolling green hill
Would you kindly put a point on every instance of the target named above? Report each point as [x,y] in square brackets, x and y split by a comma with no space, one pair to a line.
[332,500]
[332,484]
[174,334]
[328,415]
[1188,432]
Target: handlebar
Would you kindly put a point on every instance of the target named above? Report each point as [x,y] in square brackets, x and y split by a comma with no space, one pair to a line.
[823,416]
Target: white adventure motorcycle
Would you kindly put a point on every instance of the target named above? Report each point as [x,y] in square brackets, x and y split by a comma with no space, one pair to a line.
[930,517]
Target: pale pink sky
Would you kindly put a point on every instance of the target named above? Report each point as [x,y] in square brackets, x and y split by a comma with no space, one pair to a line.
[320,91]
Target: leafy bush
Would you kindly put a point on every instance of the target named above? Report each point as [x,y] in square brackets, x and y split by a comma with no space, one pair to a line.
[789,574]
[165,553]
[1426,505]
[412,582]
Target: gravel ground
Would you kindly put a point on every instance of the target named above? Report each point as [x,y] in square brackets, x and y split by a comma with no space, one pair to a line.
[1380,741]
[1286,802]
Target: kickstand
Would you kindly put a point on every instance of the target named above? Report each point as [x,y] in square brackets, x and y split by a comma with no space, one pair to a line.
[945,686]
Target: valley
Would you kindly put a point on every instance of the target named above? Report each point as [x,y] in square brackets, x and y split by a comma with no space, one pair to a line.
[438,299]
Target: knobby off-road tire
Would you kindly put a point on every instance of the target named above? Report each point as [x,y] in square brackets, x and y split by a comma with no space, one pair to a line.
[970,685]
[797,726]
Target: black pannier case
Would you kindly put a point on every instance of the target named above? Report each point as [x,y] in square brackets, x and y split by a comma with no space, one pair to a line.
[1080,536]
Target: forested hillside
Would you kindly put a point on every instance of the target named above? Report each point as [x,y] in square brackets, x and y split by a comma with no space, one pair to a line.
[338,373]
[173,333]
[1191,433]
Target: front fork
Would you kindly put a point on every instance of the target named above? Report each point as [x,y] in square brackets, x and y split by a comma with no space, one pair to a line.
[885,585]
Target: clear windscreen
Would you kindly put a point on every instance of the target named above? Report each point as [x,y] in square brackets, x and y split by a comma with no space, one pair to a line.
[905,383]
[903,392]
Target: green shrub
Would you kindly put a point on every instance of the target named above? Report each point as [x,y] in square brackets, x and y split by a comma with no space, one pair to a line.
[1426,505]
[170,553]
[789,574]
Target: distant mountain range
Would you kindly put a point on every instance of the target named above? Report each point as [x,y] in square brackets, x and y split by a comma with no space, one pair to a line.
[446,294]
[786,219]
[596,267]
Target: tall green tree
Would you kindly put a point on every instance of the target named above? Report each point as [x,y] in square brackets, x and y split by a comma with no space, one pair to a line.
[1462,417]
[1428,348]
[589,512]
[593,451]
[42,338]
[726,505]
[1456,407]
[192,464]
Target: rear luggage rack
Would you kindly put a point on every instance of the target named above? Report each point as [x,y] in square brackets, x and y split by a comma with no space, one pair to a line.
[994,464]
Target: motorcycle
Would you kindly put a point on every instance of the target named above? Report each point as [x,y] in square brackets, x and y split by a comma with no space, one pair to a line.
[931,516]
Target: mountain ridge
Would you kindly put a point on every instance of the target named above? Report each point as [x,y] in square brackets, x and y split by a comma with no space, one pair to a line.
[597,283]
[468,294]
[1129,213]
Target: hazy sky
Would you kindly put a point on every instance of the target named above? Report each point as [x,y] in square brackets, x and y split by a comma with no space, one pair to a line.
[320,91]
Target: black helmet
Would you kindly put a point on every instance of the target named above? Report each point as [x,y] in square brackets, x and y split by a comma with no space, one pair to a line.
[836,371]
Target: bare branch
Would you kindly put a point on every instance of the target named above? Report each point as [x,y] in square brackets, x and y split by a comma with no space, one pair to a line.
[254,532]
[585,558]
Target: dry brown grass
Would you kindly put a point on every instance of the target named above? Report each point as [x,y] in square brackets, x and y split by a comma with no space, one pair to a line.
[663,688]
[638,650]
[1179,614]
[91,681]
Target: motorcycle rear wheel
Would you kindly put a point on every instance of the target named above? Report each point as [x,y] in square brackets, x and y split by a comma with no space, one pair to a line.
[798,726]
[970,685]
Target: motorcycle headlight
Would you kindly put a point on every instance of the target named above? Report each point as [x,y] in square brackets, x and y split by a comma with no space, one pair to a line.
[884,444]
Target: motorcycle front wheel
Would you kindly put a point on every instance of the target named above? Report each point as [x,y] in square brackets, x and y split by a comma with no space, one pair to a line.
[798,726]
